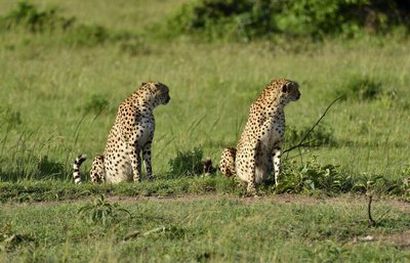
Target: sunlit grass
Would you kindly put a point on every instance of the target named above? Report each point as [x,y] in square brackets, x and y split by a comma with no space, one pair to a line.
[217,229]
[212,87]
[59,99]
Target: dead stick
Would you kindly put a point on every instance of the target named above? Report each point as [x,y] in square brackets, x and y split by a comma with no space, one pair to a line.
[369,211]
[308,144]
[300,144]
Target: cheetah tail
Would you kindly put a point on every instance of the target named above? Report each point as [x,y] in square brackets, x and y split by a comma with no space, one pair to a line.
[76,167]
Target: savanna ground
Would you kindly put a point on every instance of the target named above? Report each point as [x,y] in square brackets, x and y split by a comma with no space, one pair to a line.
[59,93]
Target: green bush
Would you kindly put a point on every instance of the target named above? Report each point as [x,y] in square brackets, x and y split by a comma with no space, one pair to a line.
[97,104]
[65,30]
[87,35]
[9,118]
[27,16]
[103,212]
[49,169]
[10,240]
[360,88]
[312,176]
[321,135]
[226,19]
[187,163]
[247,19]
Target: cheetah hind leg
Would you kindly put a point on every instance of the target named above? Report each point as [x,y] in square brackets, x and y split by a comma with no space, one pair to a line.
[251,189]
[97,173]
[227,162]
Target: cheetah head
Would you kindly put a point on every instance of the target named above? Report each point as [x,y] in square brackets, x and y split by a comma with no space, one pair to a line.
[290,90]
[159,91]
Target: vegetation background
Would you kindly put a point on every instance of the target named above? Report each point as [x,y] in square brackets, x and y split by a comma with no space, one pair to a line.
[66,65]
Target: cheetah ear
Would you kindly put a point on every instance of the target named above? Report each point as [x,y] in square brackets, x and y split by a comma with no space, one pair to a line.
[143,83]
[285,88]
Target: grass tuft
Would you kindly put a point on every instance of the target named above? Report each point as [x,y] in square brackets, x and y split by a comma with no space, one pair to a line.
[10,118]
[360,88]
[63,30]
[27,16]
[321,135]
[10,240]
[49,169]
[103,212]
[97,104]
[187,163]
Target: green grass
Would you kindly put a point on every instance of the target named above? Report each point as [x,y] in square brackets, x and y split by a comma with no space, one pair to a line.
[201,229]
[51,91]
[52,190]
[310,179]
[59,99]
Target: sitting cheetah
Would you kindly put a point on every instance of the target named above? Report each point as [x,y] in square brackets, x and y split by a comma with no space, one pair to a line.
[259,147]
[131,134]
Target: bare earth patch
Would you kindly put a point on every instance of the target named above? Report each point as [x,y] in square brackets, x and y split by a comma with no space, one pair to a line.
[400,240]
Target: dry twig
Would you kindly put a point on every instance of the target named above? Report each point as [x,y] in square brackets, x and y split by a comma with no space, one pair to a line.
[369,212]
[301,143]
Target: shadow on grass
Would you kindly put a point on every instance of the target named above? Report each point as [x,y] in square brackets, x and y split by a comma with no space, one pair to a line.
[39,169]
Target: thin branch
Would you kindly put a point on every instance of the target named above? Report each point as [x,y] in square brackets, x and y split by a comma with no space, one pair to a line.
[301,144]
[308,144]
[369,212]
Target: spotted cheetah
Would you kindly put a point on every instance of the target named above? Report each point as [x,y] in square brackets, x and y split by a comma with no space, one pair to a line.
[259,148]
[131,135]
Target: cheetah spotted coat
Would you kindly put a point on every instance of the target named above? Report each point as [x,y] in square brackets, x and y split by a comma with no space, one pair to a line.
[130,137]
[259,147]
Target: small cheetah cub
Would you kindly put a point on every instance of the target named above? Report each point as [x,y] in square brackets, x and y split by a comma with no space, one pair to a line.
[130,136]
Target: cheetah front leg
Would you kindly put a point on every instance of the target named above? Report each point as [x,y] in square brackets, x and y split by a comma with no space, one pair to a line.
[251,189]
[276,164]
[135,157]
[251,169]
[146,153]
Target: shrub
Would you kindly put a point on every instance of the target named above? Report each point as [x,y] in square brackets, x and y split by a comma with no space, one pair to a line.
[187,163]
[134,47]
[313,176]
[27,16]
[102,212]
[97,104]
[9,118]
[9,240]
[226,19]
[247,19]
[48,168]
[319,136]
[360,88]
[87,35]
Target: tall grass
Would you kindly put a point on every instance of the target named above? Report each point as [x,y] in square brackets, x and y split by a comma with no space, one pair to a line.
[64,97]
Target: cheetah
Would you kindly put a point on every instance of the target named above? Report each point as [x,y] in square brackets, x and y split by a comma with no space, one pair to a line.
[131,135]
[259,147]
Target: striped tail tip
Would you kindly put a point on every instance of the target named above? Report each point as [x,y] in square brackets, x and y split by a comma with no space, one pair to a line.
[76,167]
